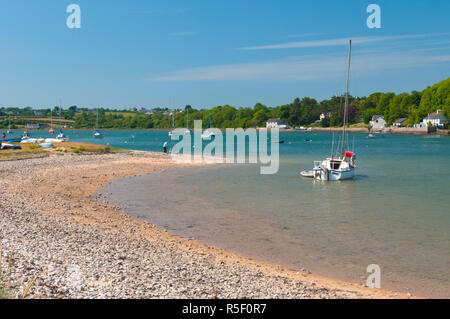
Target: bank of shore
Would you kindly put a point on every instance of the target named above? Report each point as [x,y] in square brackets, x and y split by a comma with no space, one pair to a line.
[386,130]
[52,230]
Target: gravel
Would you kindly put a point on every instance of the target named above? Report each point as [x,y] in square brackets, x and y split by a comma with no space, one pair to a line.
[78,248]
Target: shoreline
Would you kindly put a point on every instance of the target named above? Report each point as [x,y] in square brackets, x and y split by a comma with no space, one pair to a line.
[58,206]
[386,130]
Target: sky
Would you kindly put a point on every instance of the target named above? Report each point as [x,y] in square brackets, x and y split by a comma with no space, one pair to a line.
[207,53]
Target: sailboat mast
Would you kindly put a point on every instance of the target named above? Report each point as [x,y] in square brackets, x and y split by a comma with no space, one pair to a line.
[96,121]
[59,114]
[346,96]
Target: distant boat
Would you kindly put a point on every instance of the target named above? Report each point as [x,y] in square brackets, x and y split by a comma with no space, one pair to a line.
[370,136]
[7,146]
[61,136]
[173,132]
[51,131]
[341,164]
[11,140]
[97,133]
[188,131]
[207,134]
[26,135]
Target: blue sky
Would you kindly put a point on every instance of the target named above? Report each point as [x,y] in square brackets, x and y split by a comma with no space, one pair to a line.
[208,53]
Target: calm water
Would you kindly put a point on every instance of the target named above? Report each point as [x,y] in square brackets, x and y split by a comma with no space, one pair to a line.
[395,213]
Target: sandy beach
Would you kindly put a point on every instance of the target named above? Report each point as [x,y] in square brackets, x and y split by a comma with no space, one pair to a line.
[51,229]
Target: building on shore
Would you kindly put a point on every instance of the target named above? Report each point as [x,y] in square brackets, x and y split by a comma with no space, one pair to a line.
[32,126]
[378,122]
[324,115]
[400,122]
[435,119]
[276,123]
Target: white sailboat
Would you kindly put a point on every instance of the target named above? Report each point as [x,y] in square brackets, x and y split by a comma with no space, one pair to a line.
[97,133]
[51,131]
[207,134]
[173,132]
[61,136]
[188,131]
[341,164]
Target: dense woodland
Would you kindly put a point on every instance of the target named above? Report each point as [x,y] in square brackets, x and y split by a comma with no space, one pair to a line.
[305,111]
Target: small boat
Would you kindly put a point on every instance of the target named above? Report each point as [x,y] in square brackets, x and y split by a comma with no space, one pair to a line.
[7,146]
[341,164]
[54,140]
[46,145]
[61,136]
[307,173]
[279,142]
[370,136]
[207,134]
[188,131]
[32,140]
[26,135]
[173,132]
[11,140]
[97,133]
[51,131]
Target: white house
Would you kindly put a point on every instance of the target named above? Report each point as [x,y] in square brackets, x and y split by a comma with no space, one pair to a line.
[378,122]
[323,115]
[436,119]
[276,123]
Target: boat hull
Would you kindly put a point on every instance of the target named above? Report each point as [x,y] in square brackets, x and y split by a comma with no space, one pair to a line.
[333,175]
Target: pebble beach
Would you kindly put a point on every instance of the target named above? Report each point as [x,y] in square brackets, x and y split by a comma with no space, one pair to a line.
[59,242]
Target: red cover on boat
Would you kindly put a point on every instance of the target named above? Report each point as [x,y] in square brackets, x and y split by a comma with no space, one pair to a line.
[348,154]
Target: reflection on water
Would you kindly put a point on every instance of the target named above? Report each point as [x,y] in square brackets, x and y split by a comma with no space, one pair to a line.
[394,213]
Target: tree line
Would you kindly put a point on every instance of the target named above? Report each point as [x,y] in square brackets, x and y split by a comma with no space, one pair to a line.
[414,106]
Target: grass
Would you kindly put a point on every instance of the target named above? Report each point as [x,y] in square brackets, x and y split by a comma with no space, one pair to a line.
[5,292]
[361,124]
[34,151]
[25,153]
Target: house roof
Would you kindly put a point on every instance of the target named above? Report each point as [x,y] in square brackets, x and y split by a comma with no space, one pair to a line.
[374,117]
[435,116]
[273,120]
[401,120]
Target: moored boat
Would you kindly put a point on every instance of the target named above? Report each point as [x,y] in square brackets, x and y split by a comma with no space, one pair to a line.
[341,164]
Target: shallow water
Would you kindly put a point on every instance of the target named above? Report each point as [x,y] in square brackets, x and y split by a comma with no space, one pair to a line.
[395,213]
